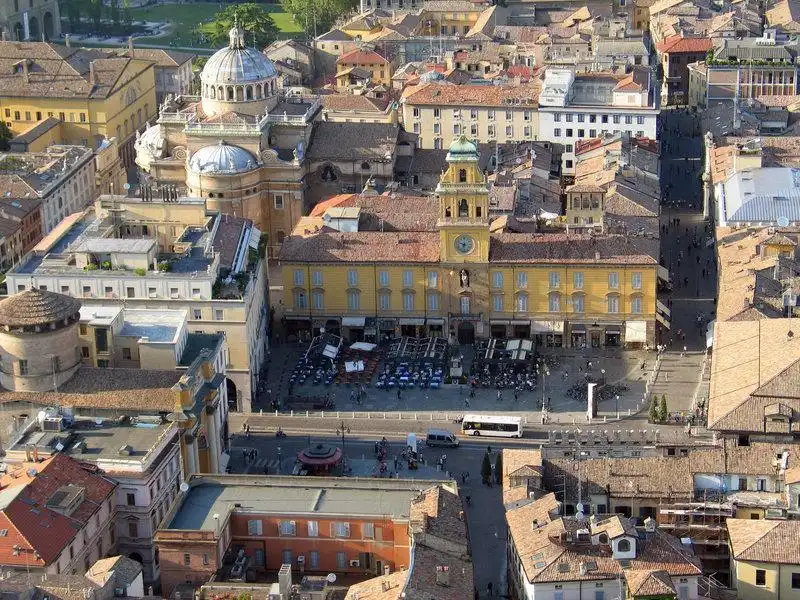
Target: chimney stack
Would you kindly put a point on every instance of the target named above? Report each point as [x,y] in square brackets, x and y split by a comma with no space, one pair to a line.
[67,39]
[130,46]
[92,75]
[25,73]
[4,35]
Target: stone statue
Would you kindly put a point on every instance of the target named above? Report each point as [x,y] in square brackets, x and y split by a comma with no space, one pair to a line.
[464,278]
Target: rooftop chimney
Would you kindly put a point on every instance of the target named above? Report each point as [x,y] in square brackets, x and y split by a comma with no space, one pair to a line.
[67,39]
[92,75]
[25,72]
[130,46]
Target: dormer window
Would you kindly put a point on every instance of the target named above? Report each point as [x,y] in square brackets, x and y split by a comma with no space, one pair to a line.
[624,545]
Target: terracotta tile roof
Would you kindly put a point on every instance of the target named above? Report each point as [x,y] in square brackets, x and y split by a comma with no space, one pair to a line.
[34,526]
[635,81]
[353,141]
[121,569]
[776,151]
[385,587]
[785,14]
[124,389]
[438,94]
[338,200]
[514,461]
[679,44]
[359,102]
[583,188]
[58,71]
[441,512]
[614,526]
[327,245]
[755,362]
[572,248]
[649,583]
[765,540]
[161,58]
[361,57]
[536,535]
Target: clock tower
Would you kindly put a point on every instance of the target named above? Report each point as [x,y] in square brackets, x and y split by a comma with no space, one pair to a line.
[463,206]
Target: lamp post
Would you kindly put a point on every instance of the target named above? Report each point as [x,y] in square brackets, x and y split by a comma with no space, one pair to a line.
[280,455]
[544,372]
[341,431]
[616,405]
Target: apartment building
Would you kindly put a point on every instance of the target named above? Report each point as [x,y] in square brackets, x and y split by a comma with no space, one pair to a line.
[164,254]
[60,178]
[589,105]
[230,523]
[485,113]
[21,20]
[56,516]
[20,229]
[763,561]
[677,53]
[173,69]
[140,455]
[600,556]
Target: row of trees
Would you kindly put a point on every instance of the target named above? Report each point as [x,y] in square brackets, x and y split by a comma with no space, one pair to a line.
[314,16]
[116,11]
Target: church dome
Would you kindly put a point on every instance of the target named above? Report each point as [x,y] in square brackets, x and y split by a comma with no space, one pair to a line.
[462,148]
[37,308]
[237,64]
[222,158]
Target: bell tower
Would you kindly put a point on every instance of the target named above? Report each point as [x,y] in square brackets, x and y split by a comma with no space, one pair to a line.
[463,206]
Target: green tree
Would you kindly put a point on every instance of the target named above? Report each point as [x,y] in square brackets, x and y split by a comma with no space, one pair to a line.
[5,136]
[662,409]
[257,23]
[498,468]
[486,468]
[652,414]
[317,15]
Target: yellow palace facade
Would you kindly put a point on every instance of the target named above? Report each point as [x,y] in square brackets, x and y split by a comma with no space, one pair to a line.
[372,267]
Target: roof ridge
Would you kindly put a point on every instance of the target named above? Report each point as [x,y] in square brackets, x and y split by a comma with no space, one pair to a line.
[773,524]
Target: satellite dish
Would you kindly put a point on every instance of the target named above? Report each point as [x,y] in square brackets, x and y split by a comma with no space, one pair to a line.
[580,507]
[330,578]
[783,221]
[184,487]
[98,421]
[59,447]
[126,186]
[32,472]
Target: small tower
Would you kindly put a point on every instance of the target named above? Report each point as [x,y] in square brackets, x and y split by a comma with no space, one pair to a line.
[463,206]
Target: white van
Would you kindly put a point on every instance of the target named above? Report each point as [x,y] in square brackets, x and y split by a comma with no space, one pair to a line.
[441,437]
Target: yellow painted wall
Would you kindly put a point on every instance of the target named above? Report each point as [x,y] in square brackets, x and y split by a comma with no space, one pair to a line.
[778,579]
[381,72]
[51,137]
[90,119]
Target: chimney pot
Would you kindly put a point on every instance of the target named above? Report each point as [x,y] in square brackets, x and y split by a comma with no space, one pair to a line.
[67,39]
[92,74]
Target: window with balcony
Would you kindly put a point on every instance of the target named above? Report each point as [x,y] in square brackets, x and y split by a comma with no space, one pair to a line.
[300,300]
[522,302]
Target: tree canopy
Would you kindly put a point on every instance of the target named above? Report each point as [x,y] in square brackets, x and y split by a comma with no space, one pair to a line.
[258,24]
[317,15]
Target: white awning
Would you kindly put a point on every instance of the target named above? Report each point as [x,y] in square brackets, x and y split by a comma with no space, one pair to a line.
[710,333]
[255,237]
[435,321]
[520,322]
[363,346]
[412,321]
[662,320]
[353,321]
[636,331]
[547,326]
[663,273]
[662,308]
[499,322]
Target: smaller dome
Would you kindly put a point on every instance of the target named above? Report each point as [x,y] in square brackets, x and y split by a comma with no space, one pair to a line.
[430,76]
[222,158]
[37,307]
[462,148]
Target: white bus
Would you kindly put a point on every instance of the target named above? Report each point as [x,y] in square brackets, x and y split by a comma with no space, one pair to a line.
[493,425]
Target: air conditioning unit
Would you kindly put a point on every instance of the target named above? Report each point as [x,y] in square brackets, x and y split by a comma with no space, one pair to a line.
[355,563]
[301,560]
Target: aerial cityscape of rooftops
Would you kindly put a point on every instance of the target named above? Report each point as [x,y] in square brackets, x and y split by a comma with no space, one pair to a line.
[400,299]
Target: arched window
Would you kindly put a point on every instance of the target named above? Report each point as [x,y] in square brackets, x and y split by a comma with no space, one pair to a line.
[624,545]
[259,91]
[463,208]
[213,93]
[462,176]
[447,212]
[280,236]
[230,92]
[221,93]
[365,166]
[249,92]
[239,93]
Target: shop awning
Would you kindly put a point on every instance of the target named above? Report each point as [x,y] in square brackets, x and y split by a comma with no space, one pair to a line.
[579,328]
[499,322]
[636,331]
[353,321]
[363,346]
[412,321]
[547,326]
[662,320]
[710,333]
[386,324]
[435,321]
[612,330]
[297,317]
[521,323]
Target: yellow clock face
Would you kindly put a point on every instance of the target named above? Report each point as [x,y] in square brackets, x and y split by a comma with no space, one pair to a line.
[464,244]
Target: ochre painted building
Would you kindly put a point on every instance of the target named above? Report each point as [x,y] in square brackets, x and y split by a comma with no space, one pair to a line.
[381,266]
[96,94]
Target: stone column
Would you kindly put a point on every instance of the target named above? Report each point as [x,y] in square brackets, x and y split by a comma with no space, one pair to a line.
[191,456]
[212,436]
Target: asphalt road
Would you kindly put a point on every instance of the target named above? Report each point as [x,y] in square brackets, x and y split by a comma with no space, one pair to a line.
[485,513]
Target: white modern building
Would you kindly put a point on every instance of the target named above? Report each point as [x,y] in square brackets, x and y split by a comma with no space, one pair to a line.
[573,107]
[763,197]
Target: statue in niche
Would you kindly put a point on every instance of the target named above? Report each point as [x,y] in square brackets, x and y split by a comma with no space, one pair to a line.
[464,278]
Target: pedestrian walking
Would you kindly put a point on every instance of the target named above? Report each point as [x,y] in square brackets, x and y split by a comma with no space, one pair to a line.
[499,395]
[398,394]
[489,588]
[466,402]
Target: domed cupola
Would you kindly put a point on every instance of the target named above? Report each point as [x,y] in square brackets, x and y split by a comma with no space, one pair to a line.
[221,159]
[238,78]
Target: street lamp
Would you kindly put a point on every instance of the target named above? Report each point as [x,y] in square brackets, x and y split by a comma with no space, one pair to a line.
[616,405]
[279,460]
[341,431]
